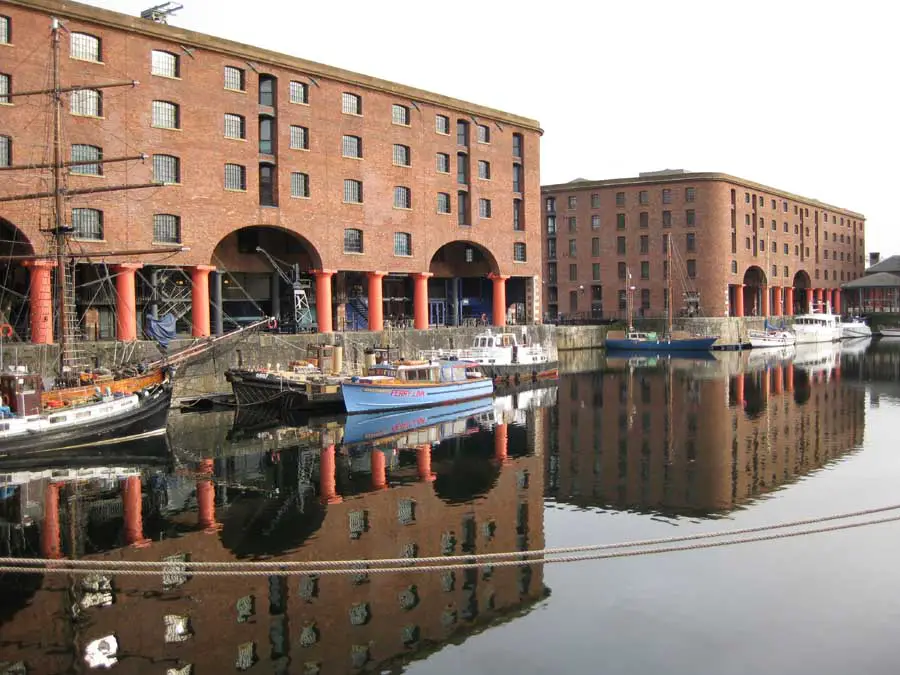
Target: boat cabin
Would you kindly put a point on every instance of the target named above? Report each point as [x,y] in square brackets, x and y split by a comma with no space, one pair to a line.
[21,392]
[421,371]
[825,321]
[492,341]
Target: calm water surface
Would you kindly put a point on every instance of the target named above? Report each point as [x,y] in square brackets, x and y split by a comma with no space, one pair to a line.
[618,449]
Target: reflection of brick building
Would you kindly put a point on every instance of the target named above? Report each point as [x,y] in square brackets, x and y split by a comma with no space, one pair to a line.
[294,623]
[676,443]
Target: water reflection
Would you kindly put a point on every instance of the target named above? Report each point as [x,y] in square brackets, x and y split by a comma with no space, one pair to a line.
[689,436]
[412,486]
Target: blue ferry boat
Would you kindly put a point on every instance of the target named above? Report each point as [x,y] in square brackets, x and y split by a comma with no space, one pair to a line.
[415,384]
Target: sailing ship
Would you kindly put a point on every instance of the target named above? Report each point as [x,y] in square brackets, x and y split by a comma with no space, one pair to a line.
[633,340]
[83,407]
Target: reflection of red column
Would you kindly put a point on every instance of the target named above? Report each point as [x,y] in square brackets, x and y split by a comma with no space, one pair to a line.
[200,300]
[501,443]
[789,301]
[837,301]
[323,300]
[789,383]
[50,542]
[132,504]
[766,384]
[327,481]
[779,379]
[837,373]
[739,390]
[376,300]
[379,477]
[423,461]
[817,297]
[420,300]
[41,299]
[499,299]
[126,302]
[739,300]
[776,301]
[206,503]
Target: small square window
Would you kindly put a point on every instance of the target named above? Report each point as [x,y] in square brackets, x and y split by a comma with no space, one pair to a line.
[235,79]
[442,124]
[690,194]
[402,243]
[164,64]
[644,197]
[483,133]
[402,155]
[442,163]
[572,202]
[235,126]
[595,201]
[299,138]
[351,104]
[484,169]
[85,47]
[299,93]
[402,197]
[400,115]
[484,208]
[519,251]
[300,185]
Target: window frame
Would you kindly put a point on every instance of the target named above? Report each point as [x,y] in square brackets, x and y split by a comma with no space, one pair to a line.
[360,240]
[242,174]
[403,244]
[402,197]
[176,222]
[176,61]
[241,75]
[304,178]
[176,111]
[348,98]
[81,49]
[83,211]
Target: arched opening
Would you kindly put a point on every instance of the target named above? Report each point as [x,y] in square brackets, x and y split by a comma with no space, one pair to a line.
[755,394]
[755,292]
[460,291]
[802,292]
[465,467]
[267,272]
[14,278]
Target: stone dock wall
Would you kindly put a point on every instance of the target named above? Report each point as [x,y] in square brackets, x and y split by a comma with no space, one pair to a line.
[266,348]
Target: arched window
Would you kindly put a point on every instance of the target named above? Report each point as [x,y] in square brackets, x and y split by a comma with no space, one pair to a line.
[353,240]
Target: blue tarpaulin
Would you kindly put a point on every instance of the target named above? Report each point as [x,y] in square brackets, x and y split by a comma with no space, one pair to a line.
[162,330]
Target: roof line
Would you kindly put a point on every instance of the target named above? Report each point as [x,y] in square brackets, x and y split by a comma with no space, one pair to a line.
[147,27]
[692,177]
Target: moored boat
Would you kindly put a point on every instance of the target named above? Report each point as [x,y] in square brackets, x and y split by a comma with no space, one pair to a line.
[855,327]
[817,327]
[890,332]
[415,384]
[500,355]
[302,386]
[771,338]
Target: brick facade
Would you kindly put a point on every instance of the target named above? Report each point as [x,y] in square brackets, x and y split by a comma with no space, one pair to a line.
[209,214]
[811,245]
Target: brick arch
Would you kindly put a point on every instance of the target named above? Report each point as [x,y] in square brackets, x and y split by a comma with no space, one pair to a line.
[801,280]
[13,240]
[449,260]
[754,276]
[279,242]
[755,291]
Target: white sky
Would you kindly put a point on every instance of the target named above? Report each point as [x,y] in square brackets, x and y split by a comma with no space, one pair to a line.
[798,95]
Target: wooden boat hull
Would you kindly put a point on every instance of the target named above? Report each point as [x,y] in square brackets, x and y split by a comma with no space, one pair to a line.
[148,419]
[279,394]
[369,397]
[518,371]
[661,345]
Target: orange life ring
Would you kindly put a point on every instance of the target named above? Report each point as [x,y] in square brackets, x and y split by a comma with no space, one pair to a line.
[273,323]
[6,330]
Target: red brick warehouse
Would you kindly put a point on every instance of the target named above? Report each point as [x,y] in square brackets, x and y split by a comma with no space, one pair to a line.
[395,203]
[738,248]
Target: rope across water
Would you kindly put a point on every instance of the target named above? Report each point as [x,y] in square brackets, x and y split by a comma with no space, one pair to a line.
[440,563]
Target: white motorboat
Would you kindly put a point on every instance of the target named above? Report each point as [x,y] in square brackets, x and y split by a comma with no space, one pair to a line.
[855,327]
[890,332]
[771,338]
[817,326]
[499,354]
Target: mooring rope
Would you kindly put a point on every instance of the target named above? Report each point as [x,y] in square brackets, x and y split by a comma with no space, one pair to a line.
[391,565]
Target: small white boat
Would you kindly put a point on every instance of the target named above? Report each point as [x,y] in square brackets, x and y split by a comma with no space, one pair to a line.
[890,332]
[771,338]
[855,327]
[499,354]
[817,326]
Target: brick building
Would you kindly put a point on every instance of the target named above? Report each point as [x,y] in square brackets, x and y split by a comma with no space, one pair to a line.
[738,248]
[394,202]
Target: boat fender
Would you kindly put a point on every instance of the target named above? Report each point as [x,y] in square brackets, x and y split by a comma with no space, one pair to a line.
[6,330]
[272,323]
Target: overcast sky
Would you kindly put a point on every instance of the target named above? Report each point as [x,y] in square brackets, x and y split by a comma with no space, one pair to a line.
[796,95]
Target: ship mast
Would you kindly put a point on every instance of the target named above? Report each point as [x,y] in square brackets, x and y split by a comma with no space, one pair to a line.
[59,229]
[669,315]
[59,235]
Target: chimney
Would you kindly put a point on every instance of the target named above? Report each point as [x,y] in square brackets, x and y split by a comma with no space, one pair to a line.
[874,258]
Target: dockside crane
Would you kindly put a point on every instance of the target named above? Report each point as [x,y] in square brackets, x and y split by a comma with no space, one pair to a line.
[302,313]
